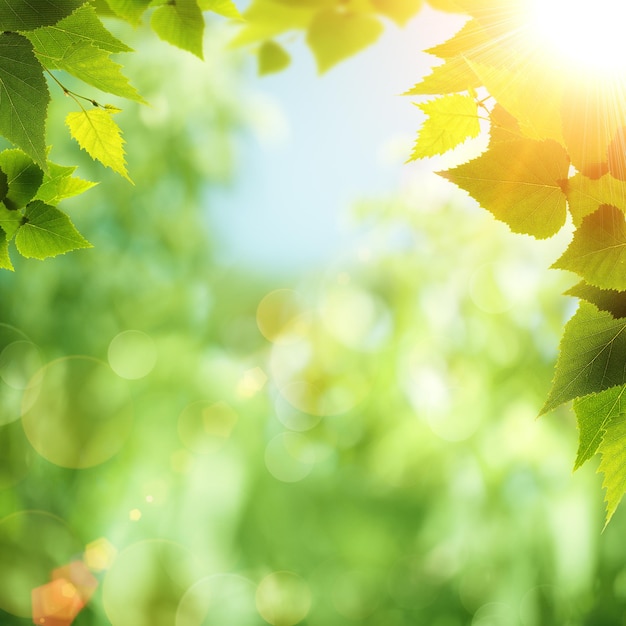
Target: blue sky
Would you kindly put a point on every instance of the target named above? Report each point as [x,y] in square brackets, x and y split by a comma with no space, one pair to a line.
[322,143]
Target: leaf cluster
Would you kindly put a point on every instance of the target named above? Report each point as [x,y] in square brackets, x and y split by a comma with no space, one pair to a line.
[333,29]
[557,144]
[40,41]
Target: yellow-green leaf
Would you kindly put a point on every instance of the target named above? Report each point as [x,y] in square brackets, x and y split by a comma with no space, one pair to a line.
[453,76]
[100,137]
[227,8]
[401,11]
[272,58]
[451,120]
[521,183]
[597,252]
[585,195]
[335,35]
[181,24]
[60,184]
[5,259]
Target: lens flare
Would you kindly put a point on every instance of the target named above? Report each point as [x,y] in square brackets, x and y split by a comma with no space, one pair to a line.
[589,36]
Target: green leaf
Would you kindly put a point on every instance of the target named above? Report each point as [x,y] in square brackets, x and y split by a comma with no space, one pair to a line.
[4,185]
[61,184]
[5,259]
[272,58]
[84,26]
[597,252]
[10,221]
[23,178]
[23,97]
[453,76]
[63,51]
[609,300]
[335,35]
[593,414]
[593,353]
[100,137]
[585,195]
[31,14]
[47,232]
[227,8]
[181,24]
[520,182]
[613,464]
[130,10]
[451,120]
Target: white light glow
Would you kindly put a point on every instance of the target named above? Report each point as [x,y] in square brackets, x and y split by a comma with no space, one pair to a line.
[587,34]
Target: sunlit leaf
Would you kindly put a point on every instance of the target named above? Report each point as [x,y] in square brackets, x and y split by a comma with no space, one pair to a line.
[532,96]
[585,195]
[401,11]
[47,232]
[453,76]
[451,120]
[100,137]
[598,251]
[227,8]
[520,182]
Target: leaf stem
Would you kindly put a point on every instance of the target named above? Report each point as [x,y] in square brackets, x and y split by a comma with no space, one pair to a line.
[75,96]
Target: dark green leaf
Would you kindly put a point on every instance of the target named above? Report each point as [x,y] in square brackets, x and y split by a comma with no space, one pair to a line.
[23,178]
[593,353]
[31,14]
[23,97]
[609,300]
[593,414]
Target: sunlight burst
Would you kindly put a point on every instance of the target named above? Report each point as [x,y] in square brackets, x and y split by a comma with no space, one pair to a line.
[590,35]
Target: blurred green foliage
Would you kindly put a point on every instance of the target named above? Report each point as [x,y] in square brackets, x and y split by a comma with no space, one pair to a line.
[223,447]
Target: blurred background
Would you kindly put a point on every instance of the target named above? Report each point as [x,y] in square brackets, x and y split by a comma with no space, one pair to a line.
[296,380]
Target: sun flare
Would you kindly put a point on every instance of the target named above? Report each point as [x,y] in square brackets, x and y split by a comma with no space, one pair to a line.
[589,35]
